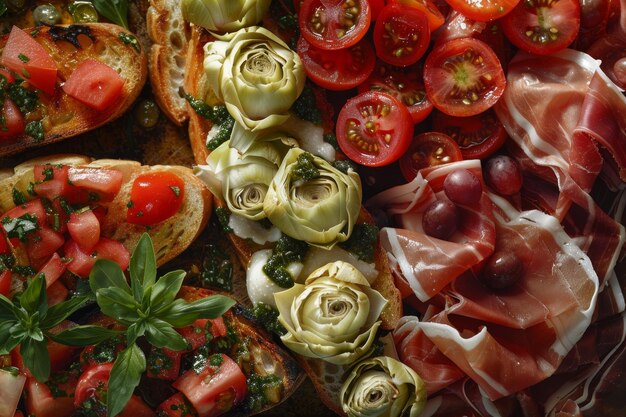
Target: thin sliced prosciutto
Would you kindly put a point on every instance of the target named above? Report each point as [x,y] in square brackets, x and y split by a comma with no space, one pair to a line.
[506,341]
[428,264]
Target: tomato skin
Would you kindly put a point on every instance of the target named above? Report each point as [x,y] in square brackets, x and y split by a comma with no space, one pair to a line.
[112,249]
[155,197]
[196,333]
[57,293]
[481,85]
[163,363]
[84,228]
[216,389]
[6,278]
[53,269]
[428,149]
[434,16]
[14,124]
[80,263]
[43,244]
[540,19]
[374,139]
[105,183]
[483,11]
[41,403]
[61,355]
[322,22]
[401,35]
[39,69]
[478,136]
[92,383]
[94,84]
[338,70]
[175,406]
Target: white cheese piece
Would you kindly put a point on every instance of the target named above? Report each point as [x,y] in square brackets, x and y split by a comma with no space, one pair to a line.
[261,288]
[310,137]
[249,229]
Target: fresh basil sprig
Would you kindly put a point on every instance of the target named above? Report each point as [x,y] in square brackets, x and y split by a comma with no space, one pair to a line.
[114,10]
[147,307]
[27,322]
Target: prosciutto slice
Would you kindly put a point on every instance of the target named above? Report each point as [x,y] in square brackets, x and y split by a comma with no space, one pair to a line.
[428,264]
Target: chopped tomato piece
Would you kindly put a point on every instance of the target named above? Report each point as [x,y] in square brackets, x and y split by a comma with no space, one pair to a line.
[175,406]
[44,243]
[202,331]
[374,129]
[30,60]
[33,207]
[106,183]
[112,249]
[80,263]
[13,123]
[103,352]
[401,35]
[216,388]
[11,386]
[155,197]
[94,84]
[163,363]
[57,293]
[428,149]
[41,403]
[332,24]
[84,228]
[6,278]
[61,355]
[53,269]
[6,75]
[51,181]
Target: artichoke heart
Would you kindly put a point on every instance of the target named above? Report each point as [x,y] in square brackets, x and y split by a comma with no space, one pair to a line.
[224,16]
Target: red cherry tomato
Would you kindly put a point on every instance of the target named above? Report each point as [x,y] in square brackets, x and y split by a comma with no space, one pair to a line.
[428,149]
[374,128]
[478,136]
[405,85]
[435,18]
[342,69]
[483,11]
[463,77]
[334,24]
[544,27]
[155,197]
[94,84]
[401,35]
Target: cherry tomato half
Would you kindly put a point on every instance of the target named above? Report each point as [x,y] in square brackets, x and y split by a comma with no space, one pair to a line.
[406,86]
[428,149]
[374,129]
[483,11]
[478,136]
[401,35]
[543,27]
[334,24]
[463,77]
[154,197]
[337,70]
[435,18]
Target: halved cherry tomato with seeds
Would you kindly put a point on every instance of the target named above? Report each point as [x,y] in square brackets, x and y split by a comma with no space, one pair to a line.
[342,69]
[374,129]
[401,35]
[463,77]
[434,16]
[478,136]
[428,149]
[543,26]
[483,11]
[405,85]
[334,24]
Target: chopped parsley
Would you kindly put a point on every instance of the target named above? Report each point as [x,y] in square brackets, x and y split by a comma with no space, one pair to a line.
[20,227]
[175,190]
[23,58]
[223,216]
[130,40]
[24,98]
[34,129]
[263,390]
[18,197]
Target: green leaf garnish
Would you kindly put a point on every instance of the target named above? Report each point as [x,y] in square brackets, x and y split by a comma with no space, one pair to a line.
[125,376]
[36,357]
[84,335]
[114,10]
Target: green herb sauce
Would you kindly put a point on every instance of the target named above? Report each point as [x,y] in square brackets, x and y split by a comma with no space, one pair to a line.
[286,251]
[217,269]
[362,242]
[268,317]
[305,169]
[305,106]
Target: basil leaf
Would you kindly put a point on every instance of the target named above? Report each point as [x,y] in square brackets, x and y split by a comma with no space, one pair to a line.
[83,335]
[114,10]
[166,288]
[7,340]
[34,298]
[143,263]
[181,313]
[135,331]
[105,274]
[118,304]
[161,334]
[36,358]
[125,376]
[6,308]
[59,312]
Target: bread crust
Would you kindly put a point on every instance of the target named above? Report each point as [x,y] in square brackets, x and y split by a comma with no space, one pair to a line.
[64,116]
[170,237]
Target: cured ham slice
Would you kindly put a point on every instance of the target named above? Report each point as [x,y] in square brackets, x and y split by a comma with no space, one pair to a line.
[426,263]
[509,340]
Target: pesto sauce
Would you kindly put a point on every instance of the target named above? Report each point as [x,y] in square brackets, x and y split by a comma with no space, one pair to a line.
[23,98]
[305,106]
[286,251]
[362,242]
[103,352]
[263,390]
[223,216]
[268,317]
[130,40]
[217,269]
[34,129]
[305,169]
[344,165]
[158,361]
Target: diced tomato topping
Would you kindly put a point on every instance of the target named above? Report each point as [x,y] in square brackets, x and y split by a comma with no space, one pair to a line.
[51,181]
[216,388]
[53,269]
[57,293]
[112,249]
[11,386]
[155,197]
[6,278]
[41,403]
[175,406]
[196,334]
[104,352]
[136,407]
[44,243]
[80,263]
[84,228]
[105,182]
[7,75]
[13,123]
[61,355]
[94,84]
[30,60]
[164,363]
[33,207]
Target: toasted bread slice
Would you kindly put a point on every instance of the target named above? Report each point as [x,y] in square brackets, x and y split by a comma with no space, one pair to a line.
[170,237]
[63,116]
[170,35]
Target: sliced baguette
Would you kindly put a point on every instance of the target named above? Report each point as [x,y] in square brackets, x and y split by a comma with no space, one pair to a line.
[169,237]
[64,116]
[170,35]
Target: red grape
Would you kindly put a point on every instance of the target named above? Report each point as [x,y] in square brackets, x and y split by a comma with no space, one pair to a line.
[440,219]
[503,175]
[463,187]
[502,270]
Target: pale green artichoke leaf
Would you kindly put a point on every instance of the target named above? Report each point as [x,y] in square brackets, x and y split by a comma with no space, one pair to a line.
[224,16]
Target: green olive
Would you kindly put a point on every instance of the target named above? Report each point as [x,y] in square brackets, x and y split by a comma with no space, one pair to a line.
[46,14]
[147,114]
[83,12]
